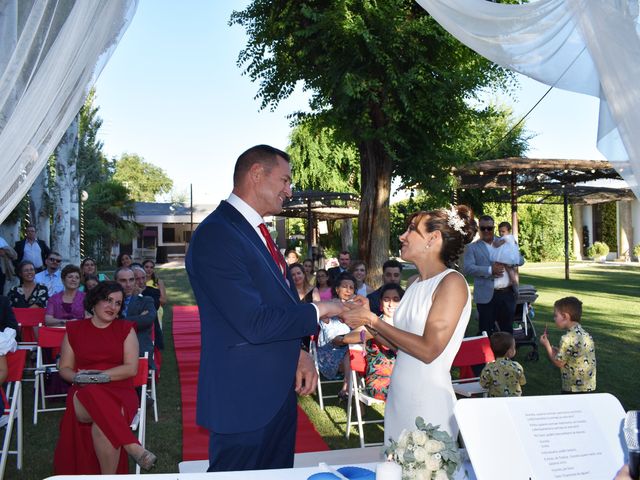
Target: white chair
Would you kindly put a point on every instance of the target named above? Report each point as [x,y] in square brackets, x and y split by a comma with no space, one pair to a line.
[473,351]
[48,337]
[12,409]
[139,421]
[357,394]
[313,350]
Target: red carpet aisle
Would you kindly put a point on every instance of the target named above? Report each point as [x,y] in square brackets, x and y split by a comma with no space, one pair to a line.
[195,440]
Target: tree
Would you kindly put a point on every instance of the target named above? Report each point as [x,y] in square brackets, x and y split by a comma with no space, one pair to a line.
[143,180]
[93,165]
[109,218]
[384,75]
[320,161]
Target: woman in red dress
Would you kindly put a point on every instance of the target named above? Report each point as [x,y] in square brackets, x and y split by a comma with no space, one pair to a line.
[94,433]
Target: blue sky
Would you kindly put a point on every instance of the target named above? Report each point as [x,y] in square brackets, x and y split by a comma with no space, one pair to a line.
[173,94]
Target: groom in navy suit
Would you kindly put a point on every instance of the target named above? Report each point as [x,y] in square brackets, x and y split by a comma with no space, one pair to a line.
[251,363]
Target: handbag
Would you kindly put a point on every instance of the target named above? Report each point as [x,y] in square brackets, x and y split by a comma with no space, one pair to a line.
[91,376]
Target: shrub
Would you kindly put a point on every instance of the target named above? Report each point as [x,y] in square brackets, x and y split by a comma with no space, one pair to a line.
[598,249]
[636,251]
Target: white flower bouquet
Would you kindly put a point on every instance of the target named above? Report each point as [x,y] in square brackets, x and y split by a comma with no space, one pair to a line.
[427,453]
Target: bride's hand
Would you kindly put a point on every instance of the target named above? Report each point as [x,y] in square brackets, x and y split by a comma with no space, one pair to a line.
[360,300]
[356,315]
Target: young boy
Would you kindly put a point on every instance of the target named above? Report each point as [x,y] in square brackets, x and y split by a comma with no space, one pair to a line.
[576,355]
[504,377]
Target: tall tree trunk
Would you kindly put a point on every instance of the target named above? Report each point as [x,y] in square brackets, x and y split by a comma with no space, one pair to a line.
[65,235]
[346,234]
[39,205]
[373,221]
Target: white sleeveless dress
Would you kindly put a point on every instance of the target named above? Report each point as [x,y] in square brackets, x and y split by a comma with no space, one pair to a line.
[418,389]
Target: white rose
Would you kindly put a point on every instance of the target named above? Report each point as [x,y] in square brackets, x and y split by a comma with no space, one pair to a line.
[434,446]
[421,454]
[419,437]
[404,439]
[423,475]
[400,455]
[441,475]
[433,463]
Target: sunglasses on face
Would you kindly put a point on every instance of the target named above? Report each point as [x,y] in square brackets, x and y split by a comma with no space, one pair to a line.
[486,229]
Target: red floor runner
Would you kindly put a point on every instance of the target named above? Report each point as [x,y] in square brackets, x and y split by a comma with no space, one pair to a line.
[195,440]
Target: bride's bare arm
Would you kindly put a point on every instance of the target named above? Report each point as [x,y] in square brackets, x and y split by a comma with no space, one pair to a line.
[448,301]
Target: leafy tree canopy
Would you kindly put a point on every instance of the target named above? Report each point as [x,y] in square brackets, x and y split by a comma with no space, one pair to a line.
[143,179]
[319,161]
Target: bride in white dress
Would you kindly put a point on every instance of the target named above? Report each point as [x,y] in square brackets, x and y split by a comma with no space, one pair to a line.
[429,323]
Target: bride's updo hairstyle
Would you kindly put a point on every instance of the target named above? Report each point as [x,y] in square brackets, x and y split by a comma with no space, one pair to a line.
[457,226]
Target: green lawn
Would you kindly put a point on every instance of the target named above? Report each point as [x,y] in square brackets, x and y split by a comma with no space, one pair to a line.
[611,315]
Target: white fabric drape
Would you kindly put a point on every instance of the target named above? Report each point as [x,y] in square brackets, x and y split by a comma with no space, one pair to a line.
[51,53]
[585,46]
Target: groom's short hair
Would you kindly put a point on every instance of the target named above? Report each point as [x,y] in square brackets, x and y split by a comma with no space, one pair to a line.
[265,155]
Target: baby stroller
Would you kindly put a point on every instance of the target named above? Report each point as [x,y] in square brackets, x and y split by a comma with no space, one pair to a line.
[524,331]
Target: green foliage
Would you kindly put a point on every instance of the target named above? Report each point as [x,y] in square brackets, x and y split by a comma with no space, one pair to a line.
[143,179]
[540,228]
[609,224]
[401,210]
[93,166]
[384,76]
[636,251]
[320,161]
[597,250]
[104,223]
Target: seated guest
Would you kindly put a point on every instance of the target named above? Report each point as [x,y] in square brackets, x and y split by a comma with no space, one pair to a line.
[145,290]
[154,282]
[333,353]
[322,284]
[359,270]
[503,377]
[306,292]
[137,309]
[123,260]
[7,318]
[28,294]
[308,271]
[8,344]
[68,304]
[380,354]
[291,256]
[95,437]
[90,282]
[51,277]
[89,267]
[391,273]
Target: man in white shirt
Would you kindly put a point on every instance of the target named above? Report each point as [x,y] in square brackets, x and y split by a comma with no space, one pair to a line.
[32,249]
[50,277]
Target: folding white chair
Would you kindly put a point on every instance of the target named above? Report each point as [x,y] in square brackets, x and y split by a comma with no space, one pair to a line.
[313,350]
[29,320]
[357,394]
[12,409]
[152,380]
[139,422]
[473,351]
[48,337]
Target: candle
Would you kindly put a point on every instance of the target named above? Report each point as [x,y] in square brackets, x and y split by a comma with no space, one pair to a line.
[388,471]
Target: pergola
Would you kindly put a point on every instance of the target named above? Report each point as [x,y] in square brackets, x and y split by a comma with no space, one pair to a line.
[547,180]
[317,205]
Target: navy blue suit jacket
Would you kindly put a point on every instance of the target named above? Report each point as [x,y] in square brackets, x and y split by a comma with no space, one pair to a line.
[252,324]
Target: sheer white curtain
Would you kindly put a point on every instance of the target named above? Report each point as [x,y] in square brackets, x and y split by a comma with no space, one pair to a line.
[586,46]
[51,53]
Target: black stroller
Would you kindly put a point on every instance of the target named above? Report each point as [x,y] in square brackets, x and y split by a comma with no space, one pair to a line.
[524,331]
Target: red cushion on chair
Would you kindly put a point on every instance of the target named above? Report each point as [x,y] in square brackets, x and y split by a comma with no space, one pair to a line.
[357,360]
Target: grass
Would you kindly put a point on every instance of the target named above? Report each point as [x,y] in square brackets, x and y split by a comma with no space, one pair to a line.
[611,315]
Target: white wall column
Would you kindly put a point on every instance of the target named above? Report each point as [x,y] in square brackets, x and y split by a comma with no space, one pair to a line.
[576,230]
[625,229]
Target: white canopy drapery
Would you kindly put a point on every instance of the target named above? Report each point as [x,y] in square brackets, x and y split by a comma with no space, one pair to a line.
[584,46]
[51,53]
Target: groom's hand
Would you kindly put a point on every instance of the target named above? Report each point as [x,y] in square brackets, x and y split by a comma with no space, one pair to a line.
[306,375]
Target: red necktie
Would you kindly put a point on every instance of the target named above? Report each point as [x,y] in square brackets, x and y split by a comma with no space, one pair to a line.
[273,249]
